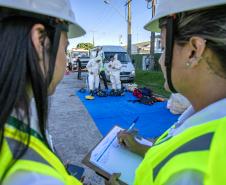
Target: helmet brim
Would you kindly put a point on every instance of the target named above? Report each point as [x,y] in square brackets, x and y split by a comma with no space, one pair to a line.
[169,9]
[153,26]
[75,30]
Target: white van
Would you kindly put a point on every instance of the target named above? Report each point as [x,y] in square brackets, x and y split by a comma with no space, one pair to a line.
[127,71]
[84,57]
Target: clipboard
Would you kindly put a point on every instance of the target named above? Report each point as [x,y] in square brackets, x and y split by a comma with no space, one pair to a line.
[114,152]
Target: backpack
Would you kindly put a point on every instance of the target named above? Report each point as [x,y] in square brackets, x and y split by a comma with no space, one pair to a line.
[137,93]
[101,93]
[146,91]
[147,100]
[142,92]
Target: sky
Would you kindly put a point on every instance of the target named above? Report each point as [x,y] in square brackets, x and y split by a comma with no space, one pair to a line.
[107,24]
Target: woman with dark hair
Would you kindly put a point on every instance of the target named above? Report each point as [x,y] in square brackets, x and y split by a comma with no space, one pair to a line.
[193,151]
[33,38]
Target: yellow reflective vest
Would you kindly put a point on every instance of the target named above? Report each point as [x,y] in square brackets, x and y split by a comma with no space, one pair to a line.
[38,158]
[201,148]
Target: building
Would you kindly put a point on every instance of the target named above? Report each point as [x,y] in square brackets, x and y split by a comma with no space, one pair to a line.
[144,47]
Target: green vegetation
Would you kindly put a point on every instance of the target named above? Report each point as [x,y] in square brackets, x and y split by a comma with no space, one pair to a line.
[153,80]
[86,46]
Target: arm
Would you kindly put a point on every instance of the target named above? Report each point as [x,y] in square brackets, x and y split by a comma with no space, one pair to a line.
[89,66]
[118,65]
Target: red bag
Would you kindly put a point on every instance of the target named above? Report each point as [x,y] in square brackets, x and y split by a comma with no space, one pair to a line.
[137,93]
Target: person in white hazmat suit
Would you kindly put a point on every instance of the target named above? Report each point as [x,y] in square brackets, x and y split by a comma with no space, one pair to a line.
[114,68]
[93,67]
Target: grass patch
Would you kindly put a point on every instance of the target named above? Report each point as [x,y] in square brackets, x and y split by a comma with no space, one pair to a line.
[153,80]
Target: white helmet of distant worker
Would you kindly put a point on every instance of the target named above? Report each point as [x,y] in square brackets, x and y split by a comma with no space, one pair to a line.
[167,8]
[45,9]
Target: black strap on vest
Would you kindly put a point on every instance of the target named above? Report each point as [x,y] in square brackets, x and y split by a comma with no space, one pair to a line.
[54,49]
[19,125]
[169,51]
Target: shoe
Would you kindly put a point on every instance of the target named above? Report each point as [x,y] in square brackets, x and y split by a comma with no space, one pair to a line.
[112,92]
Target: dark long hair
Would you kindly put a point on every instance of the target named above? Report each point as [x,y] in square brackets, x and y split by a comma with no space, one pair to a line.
[19,70]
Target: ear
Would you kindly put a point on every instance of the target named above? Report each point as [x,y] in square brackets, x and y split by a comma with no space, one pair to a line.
[38,39]
[197,47]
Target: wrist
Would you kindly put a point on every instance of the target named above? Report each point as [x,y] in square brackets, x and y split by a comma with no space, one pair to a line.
[141,149]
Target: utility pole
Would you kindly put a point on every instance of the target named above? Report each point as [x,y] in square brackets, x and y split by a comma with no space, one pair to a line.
[152,43]
[93,39]
[129,32]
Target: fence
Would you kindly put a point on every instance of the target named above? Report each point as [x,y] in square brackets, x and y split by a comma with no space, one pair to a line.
[138,61]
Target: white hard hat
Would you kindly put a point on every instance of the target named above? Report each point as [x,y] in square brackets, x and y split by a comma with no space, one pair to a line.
[166,7]
[60,9]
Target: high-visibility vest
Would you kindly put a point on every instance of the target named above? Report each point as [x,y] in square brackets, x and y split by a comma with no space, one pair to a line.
[102,67]
[201,148]
[38,158]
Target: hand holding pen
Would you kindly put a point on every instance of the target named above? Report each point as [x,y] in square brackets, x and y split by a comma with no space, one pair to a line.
[127,137]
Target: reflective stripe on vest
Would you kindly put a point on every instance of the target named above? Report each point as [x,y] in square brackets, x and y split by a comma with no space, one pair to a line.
[38,158]
[217,163]
[189,150]
[197,144]
[30,153]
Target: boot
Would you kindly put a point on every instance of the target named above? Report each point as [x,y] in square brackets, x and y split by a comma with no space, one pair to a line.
[112,92]
[91,93]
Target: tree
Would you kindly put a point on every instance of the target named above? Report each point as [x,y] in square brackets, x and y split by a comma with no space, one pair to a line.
[86,46]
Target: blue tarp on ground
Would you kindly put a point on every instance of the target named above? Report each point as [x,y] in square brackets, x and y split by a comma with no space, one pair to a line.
[109,111]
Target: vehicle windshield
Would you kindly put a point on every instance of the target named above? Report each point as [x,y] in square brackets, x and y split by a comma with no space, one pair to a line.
[82,54]
[123,57]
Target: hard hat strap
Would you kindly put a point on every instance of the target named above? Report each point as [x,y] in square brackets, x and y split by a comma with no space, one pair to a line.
[54,50]
[169,51]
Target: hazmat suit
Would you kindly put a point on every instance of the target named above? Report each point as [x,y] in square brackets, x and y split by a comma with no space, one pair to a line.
[93,68]
[114,68]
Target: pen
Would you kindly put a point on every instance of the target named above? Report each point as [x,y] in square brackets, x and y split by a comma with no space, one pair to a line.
[132,125]
[128,130]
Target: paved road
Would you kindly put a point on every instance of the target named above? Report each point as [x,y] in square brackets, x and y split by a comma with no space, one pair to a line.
[73,131]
